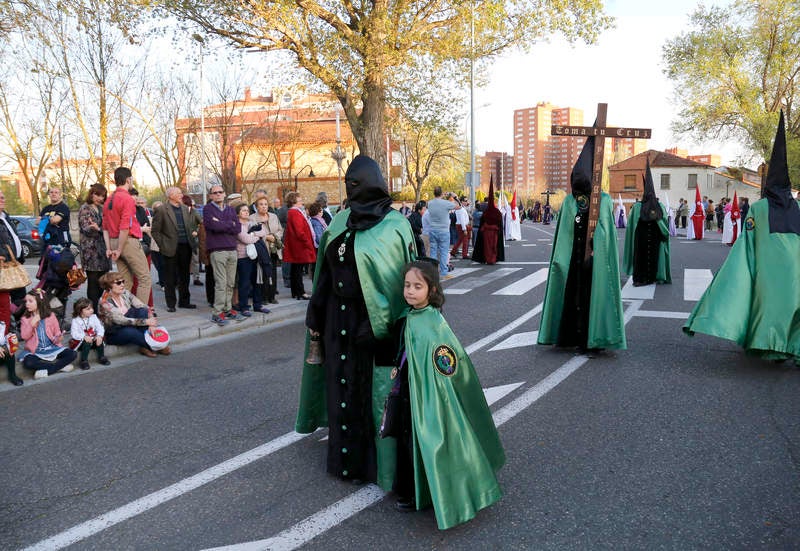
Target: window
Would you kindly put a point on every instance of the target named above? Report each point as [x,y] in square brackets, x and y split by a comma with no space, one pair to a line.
[692,181]
[665,181]
[285,159]
[630,181]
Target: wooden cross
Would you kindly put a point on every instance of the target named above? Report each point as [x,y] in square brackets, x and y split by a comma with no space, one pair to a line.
[599,130]
[548,193]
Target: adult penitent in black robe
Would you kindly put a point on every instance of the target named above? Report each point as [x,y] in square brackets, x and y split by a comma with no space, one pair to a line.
[358,293]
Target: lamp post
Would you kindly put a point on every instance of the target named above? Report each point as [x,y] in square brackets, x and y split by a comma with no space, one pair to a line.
[338,154]
[310,174]
[201,41]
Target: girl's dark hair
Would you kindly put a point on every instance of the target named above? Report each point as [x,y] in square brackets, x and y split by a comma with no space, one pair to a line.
[95,189]
[419,206]
[429,270]
[314,208]
[42,305]
[79,305]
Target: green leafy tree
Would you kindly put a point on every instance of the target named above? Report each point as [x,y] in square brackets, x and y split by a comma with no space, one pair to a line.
[360,51]
[734,70]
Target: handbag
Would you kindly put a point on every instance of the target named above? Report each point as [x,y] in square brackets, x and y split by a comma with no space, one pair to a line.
[76,277]
[12,274]
[390,420]
[251,251]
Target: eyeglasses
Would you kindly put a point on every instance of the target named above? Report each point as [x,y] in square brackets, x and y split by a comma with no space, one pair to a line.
[215,192]
[118,282]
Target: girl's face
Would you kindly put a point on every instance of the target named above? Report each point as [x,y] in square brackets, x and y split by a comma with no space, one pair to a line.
[87,312]
[244,212]
[415,290]
[30,304]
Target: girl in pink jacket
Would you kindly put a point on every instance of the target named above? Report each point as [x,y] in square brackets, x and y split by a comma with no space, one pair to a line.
[39,328]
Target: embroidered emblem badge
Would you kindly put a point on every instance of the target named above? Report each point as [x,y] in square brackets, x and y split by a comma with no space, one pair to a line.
[583,202]
[444,358]
[750,224]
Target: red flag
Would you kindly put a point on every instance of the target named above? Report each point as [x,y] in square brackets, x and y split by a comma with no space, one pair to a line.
[514,205]
[736,214]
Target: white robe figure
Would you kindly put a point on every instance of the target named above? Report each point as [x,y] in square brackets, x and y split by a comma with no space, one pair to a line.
[511,225]
[620,217]
[673,229]
[727,229]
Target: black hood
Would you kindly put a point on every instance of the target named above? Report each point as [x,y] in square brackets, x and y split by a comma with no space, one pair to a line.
[581,177]
[784,214]
[367,193]
[651,209]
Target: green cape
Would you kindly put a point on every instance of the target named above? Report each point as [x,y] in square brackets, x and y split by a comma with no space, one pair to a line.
[754,299]
[606,325]
[381,253]
[456,446]
[663,274]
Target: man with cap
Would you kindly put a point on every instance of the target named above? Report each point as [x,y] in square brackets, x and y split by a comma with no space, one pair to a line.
[582,303]
[646,255]
[753,299]
[357,297]
[489,248]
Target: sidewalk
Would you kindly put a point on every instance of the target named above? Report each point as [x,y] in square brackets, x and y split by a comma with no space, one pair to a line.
[183,325]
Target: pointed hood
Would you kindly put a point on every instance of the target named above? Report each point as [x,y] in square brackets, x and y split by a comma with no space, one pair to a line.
[492,214]
[514,205]
[698,205]
[581,177]
[651,210]
[367,194]
[735,212]
[784,213]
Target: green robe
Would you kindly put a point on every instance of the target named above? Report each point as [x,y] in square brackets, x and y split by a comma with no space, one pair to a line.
[381,253]
[754,298]
[606,325]
[456,446]
[663,274]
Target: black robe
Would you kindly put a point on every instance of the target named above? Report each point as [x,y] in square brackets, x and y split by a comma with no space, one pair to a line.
[574,329]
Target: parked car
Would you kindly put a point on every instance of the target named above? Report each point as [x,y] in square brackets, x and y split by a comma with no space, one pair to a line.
[28,234]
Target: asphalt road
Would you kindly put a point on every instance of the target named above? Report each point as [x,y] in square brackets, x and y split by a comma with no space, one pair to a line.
[675,443]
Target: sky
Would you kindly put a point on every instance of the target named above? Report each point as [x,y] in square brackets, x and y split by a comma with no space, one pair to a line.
[558,72]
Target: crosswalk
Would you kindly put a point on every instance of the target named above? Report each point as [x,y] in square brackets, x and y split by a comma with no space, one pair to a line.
[469,279]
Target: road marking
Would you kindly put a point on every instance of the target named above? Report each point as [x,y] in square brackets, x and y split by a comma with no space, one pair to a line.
[469,283]
[695,283]
[496,393]
[458,272]
[661,314]
[530,245]
[525,284]
[503,330]
[517,340]
[646,292]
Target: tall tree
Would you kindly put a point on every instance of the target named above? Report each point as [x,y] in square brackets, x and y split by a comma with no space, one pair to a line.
[357,50]
[734,69]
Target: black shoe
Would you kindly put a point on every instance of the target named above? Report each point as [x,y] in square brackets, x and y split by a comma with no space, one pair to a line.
[188,306]
[102,360]
[405,505]
[273,301]
[84,365]
[198,282]
[170,308]
[16,381]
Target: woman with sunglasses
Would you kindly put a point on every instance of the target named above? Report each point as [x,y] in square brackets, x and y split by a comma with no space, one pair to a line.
[126,318]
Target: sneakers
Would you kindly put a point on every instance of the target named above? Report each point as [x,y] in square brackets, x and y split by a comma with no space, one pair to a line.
[40,374]
[246,313]
[84,365]
[263,310]
[67,368]
[234,315]
[219,319]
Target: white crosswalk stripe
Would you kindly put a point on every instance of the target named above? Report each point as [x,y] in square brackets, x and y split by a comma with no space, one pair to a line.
[695,283]
[645,292]
[525,284]
[468,284]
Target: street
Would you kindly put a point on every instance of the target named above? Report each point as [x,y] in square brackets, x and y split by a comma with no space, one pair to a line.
[674,443]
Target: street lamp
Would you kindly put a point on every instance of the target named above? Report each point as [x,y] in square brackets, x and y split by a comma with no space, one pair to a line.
[338,153]
[310,174]
[201,41]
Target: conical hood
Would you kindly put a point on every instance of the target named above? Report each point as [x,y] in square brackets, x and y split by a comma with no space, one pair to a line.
[490,199]
[784,214]
[581,177]
[651,210]
[698,204]
[491,214]
[735,212]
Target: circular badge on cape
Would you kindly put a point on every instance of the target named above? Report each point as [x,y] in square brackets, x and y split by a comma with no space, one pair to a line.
[583,202]
[750,224]
[444,358]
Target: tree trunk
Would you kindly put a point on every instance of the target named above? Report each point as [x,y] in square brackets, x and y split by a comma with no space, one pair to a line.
[369,133]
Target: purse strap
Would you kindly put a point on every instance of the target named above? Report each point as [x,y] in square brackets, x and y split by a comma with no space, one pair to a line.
[12,258]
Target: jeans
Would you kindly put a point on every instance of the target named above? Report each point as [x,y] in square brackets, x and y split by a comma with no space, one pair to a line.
[440,247]
[120,335]
[32,362]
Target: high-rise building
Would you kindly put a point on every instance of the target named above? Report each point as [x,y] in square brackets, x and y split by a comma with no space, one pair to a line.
[542,161]
[500,166]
